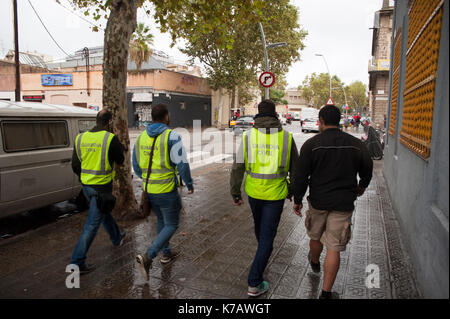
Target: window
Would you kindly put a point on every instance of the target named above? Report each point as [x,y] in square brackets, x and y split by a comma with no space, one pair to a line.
[424,33]
[86,125]
[182,106]
[34,135]
[395,77]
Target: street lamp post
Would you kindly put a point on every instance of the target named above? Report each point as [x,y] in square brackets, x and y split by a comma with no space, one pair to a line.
[263,38]
[345,95]
[326,64]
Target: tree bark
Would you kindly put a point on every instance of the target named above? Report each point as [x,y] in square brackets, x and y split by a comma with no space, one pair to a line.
[121,25]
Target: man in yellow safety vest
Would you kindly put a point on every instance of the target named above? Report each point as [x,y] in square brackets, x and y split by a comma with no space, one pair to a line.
[168,159]
[94,155]
[267,155]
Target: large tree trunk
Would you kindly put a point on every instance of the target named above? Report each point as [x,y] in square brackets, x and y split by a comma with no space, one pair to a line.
[121,25]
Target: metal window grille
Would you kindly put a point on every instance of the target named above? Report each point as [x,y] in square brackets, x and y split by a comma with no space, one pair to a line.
[424,33]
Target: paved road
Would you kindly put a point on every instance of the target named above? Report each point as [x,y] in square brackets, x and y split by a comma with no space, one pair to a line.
[217,244]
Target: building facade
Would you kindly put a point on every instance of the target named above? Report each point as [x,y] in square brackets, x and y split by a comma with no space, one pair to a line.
[295,100]
[416,153]
[379,64]
[78,81]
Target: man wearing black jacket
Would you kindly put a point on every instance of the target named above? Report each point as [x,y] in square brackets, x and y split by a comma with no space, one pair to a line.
[329,163]
[94,155]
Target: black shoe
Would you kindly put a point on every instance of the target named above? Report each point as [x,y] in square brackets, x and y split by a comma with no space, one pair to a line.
[166,259]
[325,295]
[86,268]
[315,267]
[145,264]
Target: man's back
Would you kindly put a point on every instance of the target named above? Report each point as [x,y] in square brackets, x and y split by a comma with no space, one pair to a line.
[329,163]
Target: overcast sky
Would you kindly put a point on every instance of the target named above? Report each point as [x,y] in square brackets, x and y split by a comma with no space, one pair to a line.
[338,29]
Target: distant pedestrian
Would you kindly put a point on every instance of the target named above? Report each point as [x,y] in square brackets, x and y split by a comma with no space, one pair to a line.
[346,122]
[94,155]
[267,154]
[136,119]
[329,163]
[162,182]
[357,118]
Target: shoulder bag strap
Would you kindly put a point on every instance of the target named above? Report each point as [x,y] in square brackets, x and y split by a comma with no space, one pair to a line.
[149,170]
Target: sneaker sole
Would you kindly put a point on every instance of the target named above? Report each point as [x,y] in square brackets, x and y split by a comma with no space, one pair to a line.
[251,294]
[140,261]
[169,261]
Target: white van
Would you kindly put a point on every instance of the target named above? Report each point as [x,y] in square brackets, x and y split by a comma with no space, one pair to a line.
[309,113]
[36,144]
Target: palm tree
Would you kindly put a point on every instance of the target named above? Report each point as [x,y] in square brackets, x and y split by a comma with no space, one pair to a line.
[139,45]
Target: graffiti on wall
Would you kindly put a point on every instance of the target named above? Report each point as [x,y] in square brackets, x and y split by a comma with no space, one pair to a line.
[145,111]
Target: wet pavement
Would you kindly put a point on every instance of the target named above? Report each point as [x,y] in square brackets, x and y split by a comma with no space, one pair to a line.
[217,244]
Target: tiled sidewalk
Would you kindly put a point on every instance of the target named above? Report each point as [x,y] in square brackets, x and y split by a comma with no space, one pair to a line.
[217,244]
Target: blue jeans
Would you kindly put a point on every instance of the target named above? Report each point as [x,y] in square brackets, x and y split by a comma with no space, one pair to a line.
[167,208]
[93,221]
[266,216]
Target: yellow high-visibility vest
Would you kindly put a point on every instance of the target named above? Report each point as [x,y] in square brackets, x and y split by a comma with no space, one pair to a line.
[163,175]
[267,160]
[92,150]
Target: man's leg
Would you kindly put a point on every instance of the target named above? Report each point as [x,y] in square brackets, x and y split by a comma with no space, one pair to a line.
[315,224]
[255,206]
[110,225]
[170,206]
[270,218]
[335,238]
[93,222]
[316,247]
[330,269]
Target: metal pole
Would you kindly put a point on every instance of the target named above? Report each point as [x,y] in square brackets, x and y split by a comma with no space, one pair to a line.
[346,103]
[16,52]
[263,38]
[357,106]
[329,74]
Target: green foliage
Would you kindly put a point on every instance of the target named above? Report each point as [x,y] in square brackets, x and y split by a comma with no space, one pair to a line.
[238,62]
[316,90]
[140,41]
[277,96]
[357,96]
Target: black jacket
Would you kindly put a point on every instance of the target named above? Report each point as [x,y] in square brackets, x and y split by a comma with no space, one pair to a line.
[329,163]
[115,155]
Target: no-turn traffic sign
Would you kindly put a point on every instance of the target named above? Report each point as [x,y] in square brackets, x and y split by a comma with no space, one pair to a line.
[267,79]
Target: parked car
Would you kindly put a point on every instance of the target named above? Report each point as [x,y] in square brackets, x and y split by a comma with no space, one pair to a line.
[243,123]
[282,119]
[36,144]
[310,124]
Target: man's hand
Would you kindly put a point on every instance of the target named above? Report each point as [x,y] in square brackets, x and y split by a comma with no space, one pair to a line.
[238,201]
[360,191]
[289,196]
[191,191]
[298,209]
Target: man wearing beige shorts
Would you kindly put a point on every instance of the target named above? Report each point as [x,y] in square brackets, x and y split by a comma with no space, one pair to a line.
[329,164]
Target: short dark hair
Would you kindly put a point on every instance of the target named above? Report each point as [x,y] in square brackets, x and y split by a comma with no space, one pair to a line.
[103,117]
[266,106]
[159,112]
[330,114]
